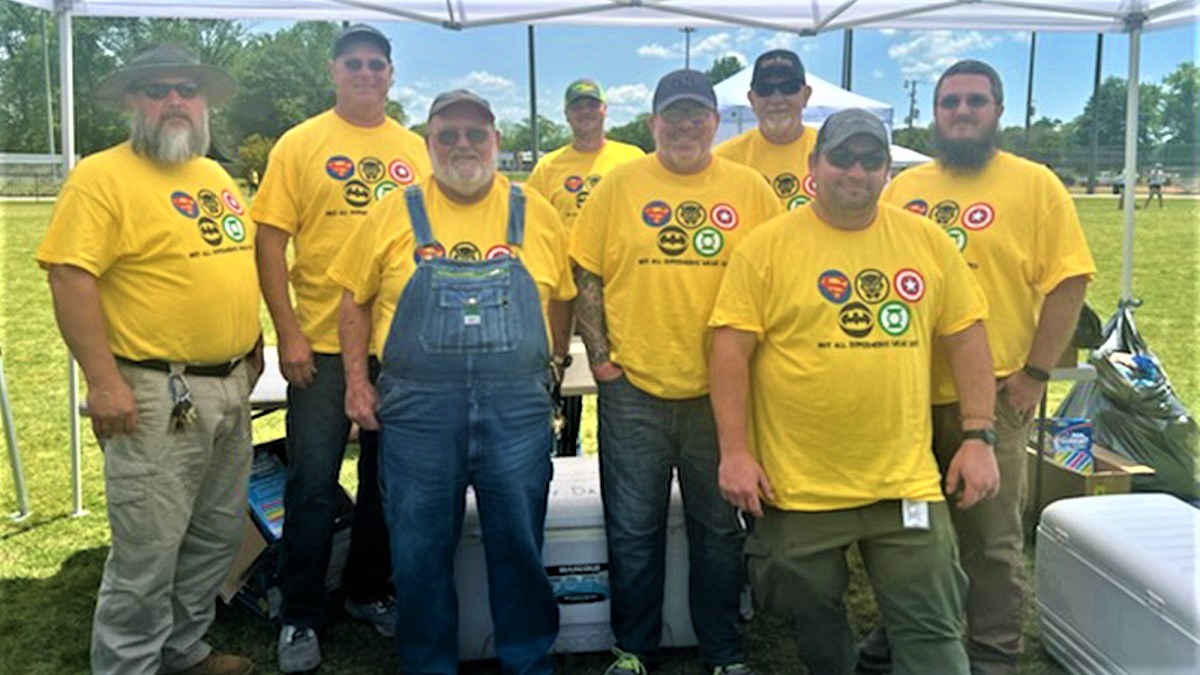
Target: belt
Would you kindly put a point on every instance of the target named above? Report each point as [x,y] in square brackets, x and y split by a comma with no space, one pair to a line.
[217,370]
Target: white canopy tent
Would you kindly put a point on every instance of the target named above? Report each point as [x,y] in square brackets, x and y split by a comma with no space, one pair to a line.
[802,18]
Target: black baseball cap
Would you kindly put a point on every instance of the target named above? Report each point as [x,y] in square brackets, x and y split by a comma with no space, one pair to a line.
[684,85]
[782,64]
[361,32]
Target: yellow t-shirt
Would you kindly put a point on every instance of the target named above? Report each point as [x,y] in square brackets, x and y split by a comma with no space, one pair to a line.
[172,250]
[845,322]
[379,258]
[565,177]
[324,175]
[661,242]
[784,166]
[1016,226]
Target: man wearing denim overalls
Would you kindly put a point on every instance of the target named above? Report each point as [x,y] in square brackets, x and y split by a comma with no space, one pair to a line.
[450,284]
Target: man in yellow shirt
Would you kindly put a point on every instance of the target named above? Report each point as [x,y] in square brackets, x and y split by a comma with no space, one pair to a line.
[323,177]
[779,146]
[824,328]
[650,248]
[451,285]
[566,176]
[151,264]
[1016,226]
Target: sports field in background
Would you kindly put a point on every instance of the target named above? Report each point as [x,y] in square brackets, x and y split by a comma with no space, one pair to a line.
[50,563]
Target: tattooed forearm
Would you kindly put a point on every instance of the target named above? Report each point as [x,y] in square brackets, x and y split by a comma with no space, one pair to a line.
[589,315]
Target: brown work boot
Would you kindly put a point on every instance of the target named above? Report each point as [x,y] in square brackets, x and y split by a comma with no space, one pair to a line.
[220,663]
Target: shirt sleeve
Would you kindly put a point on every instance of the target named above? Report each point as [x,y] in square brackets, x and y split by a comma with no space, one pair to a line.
[358,267]
[275,203]
[556,238]
[84,231]
[739,303]
[1060,246]
[590,231]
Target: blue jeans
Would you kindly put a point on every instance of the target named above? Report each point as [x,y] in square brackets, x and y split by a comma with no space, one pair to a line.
[642,438]
[317,429]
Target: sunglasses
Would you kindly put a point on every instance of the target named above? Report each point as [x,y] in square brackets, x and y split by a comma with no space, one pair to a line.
[158,92]
[951,101]
[693,114]
[375,65]
[845,159]
[787,88]
[475,136]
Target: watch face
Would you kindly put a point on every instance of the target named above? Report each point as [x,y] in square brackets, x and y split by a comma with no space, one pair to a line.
[987,435]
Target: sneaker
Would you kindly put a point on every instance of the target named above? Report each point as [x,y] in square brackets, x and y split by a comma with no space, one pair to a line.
[733,669]
[299,650]
[381,614]
[626,664]
[874,653]
[220,663]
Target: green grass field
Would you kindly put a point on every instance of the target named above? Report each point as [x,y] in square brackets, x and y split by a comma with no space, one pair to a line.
[50,563]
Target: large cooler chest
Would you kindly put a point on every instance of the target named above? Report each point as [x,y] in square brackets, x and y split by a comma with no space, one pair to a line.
[575,554]
[1117,584]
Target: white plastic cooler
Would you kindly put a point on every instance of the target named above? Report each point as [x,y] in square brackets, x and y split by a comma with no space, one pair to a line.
[1118,586]
[576,558]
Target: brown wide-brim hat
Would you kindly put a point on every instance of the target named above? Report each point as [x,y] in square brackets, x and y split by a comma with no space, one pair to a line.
[166,60]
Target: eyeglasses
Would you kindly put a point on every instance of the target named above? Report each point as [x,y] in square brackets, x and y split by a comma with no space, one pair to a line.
[375,65]
[845,159]
[693,114]
[475,136]
[951,101]
[787,88]
[158,92]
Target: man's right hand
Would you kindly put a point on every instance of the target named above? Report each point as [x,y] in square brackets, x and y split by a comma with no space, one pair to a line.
[606,372]
[361,401]
[112,408]
[296,359]
[741,479]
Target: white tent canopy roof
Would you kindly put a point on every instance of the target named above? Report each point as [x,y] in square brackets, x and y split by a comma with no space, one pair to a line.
[807,18]
[827,98]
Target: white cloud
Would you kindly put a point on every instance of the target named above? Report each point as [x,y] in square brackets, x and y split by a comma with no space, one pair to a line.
[712,45]
[415,102]
[780,41]
[887,31]
[878,74]
[927,54]
[481,81]
[657,51]
[744,36]
[628,94]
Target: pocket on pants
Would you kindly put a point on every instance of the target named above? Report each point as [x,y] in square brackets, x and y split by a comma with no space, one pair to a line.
[472,317]
[129,512]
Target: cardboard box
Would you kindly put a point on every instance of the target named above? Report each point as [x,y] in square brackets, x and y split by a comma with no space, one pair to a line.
[1113,474]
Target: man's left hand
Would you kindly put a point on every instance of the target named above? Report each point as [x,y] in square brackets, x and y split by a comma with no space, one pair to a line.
[974,469]
[1022,392]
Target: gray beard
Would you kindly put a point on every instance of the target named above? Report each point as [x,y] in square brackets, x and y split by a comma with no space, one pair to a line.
[966,156]
[460,184]
[168,145]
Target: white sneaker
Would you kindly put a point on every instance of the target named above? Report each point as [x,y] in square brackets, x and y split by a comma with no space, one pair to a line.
[299,650]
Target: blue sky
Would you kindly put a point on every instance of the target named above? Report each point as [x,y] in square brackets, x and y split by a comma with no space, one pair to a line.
[628,61]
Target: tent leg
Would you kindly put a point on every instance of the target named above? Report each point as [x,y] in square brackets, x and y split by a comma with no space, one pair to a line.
[14,453]
[1131,147]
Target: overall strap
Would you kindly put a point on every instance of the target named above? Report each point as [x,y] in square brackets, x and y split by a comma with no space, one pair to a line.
[516,216]
[417,216]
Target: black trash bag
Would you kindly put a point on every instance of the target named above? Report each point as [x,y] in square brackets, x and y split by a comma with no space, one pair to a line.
[1135,411]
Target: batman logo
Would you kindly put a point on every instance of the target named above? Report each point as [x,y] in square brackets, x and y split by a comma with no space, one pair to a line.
[371,169]
[593,180]
[945,213]
[786,184]
[691,215]
[210,203]
[210,231]
[465,251]
[856,320]
[580,198]
[672,240]
[872,285]
[356,193]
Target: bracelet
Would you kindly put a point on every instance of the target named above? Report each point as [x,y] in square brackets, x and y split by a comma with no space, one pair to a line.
[1035,373]
[990,419]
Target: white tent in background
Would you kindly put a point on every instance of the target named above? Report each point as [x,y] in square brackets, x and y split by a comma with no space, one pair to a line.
[827,98]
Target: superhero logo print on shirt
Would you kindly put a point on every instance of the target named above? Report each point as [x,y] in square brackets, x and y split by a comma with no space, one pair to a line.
[834,286]
[465,251]
[959,236]
[210,231]
[723,216]
[588,185]
[384,189]
[656,213]
[708,241]
[434,250]
[573,184]
[370,169]
[872,286]
[339,167]
[234,229]
[672,240]
[918,206]
[945,213]
[691,214]
[185,204]
[909,285]
[356,193]
[810,186]
[209,203]
[232,202]
[798,201]
[978,216]
[401,172]
[499,251]
[856,320]
[894,318]
[785,185]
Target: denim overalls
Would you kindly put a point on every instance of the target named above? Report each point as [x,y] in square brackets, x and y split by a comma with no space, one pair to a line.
[464,400]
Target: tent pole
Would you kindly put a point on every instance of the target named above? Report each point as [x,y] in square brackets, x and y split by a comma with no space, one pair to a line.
[1093,166]
[1029,85]
[847,57]
[66,82]
[533,114]
[1134,25]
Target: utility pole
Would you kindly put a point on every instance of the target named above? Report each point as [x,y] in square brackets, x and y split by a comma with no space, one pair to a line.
[687,49]
[913,112]
[1029,90]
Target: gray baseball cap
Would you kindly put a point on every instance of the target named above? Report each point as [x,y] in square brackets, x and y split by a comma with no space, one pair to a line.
[360,33]
[684,85]
[449,98]
[845,124]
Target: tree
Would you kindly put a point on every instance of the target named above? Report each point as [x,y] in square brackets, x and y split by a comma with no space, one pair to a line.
[916,138]
[1108,107]
[636,133]
[724,68]
[517,137]
[1181,105]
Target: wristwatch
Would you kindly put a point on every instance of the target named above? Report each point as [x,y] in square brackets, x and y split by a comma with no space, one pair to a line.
[987,435]
[562,362]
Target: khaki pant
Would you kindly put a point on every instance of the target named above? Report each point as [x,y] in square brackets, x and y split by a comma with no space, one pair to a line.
[991,541]
[176,504]
[797,566]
